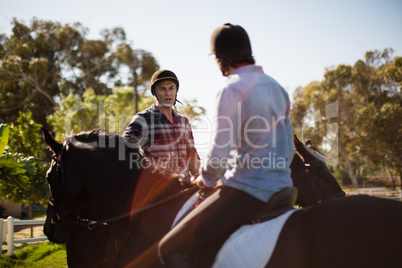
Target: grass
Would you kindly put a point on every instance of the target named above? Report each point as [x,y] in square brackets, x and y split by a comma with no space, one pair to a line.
[38,214]
[42,255]
[37,255]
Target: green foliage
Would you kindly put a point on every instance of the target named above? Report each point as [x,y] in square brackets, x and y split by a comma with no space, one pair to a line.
[42,60]
[4,134]
[37,256]
[71,82]
[368,100]
[112,112]
[191,109]
[25,136]
[17,164]
[21,175]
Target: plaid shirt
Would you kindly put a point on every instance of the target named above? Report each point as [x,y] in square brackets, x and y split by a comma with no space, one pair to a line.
[167,145]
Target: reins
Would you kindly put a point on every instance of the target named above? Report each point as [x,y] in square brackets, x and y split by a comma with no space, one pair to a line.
[312,183]
[310,179]
[91,223]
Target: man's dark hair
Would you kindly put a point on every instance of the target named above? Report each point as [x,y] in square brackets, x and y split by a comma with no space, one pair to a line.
[227,63]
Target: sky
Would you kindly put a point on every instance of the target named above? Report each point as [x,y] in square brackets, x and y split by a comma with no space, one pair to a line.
[294,41]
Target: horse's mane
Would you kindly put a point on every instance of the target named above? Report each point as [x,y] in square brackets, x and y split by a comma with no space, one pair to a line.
[95,134]
[101,138]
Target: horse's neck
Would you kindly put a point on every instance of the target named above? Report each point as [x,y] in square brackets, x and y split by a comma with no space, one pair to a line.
[110,186]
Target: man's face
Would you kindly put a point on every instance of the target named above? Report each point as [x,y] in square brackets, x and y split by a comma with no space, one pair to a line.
[165,92]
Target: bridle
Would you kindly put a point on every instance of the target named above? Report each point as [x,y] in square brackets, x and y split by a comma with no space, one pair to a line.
[59,178]
[57,216]
[313,185]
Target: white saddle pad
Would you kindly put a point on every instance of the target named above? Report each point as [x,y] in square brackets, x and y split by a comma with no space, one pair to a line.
[250,246]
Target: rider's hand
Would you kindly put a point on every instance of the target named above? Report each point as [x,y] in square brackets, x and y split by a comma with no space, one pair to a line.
[198,182]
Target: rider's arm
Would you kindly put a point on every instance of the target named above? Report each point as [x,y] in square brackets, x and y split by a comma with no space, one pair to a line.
[226,132]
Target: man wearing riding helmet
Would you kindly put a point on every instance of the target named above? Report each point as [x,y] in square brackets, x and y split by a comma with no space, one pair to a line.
[164,135]
[253,124]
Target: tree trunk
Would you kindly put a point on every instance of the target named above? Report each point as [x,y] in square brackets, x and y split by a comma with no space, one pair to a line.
[389,175]
[30,215]
[348,167]
[135,97]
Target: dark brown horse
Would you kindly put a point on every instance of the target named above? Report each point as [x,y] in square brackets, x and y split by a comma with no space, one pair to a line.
[108,210]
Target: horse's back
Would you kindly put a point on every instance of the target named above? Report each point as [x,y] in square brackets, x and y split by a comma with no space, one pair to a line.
[357,231]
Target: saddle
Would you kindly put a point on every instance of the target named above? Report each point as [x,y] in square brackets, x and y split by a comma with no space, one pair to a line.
[278,204]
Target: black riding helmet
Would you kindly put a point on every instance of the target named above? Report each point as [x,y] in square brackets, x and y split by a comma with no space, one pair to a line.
[162,75]
[231,42]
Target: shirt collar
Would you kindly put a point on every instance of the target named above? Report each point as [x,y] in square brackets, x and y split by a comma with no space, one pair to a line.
[247,69]
[155,109]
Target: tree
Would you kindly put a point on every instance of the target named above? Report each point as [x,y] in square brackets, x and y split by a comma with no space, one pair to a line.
[30,71]
[368,105]
[41,61]
[21,171]
[378,80]
[112,112]
[141,65]
[192,110]
[76,114]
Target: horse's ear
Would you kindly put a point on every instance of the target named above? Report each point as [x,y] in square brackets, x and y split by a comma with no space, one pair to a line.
[51,143]
[297,143]
[300,147]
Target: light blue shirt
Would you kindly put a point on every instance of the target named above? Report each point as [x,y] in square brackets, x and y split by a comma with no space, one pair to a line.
[253,137]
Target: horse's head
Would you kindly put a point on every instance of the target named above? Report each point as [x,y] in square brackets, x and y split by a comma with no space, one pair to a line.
[65,192]
[92,179]
[311,175]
